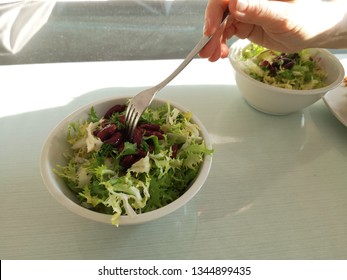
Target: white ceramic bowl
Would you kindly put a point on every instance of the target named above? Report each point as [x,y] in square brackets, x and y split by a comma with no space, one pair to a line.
[55,145]
[279,101]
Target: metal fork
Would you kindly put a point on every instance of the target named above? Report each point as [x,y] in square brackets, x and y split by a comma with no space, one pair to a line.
[138,104]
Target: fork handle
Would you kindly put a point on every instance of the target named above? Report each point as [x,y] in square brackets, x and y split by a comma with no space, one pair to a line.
[203,41]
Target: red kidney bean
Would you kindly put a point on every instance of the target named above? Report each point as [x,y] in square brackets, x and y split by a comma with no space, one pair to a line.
[150,148]
[275,65]
[121,146]
[285,60]
[128,161]
[104,123]
[115,109]
[137,136]
[264,63]
[95,132]
[122,118]
[289,65]
[141,153]
[115,139]
[107,132]
[155,133]
[150,126]
[174,150]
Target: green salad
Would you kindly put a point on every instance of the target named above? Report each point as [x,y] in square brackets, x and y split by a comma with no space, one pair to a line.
[285,70]
[111,174]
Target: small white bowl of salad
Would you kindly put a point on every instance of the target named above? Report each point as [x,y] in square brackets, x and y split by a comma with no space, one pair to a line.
[89,164]
[283,83]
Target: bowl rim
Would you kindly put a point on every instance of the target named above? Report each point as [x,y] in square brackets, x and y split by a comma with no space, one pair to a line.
[53,187]
[325,52]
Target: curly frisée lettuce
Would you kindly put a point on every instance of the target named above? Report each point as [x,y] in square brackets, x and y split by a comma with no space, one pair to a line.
[111,174]
[299,70]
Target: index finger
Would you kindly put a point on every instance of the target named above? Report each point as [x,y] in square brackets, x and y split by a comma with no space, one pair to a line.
[213,15]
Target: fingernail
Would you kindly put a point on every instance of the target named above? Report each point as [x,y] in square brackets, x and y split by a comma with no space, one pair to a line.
[241,5]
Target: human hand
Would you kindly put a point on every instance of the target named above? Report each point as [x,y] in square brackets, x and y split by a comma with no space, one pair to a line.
[286,26]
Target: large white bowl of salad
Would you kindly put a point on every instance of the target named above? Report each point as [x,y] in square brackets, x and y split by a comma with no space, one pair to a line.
[90,165]
[282,83]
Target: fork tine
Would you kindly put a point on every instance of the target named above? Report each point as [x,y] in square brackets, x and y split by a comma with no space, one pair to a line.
[133,123]
[128,113]
[131,119]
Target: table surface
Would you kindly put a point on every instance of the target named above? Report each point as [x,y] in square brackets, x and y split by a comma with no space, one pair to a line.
[276,190]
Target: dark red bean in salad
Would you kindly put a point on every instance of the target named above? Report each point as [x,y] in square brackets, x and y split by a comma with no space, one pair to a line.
[137,136]
[115,139]
[128,160]
[107,131]
[174,150]
[289,65]
[275,65]
[285,60]
[141,153]
[150,126]
[155,133]
[122,118]
[121,145]
[115,109]
[264,63]
[95,132]
[104,123]
[150,148]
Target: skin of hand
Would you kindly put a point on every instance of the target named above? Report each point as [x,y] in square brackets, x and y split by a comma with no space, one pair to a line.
[286,26]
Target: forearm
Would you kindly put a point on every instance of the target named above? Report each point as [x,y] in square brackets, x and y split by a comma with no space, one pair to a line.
[334,35]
